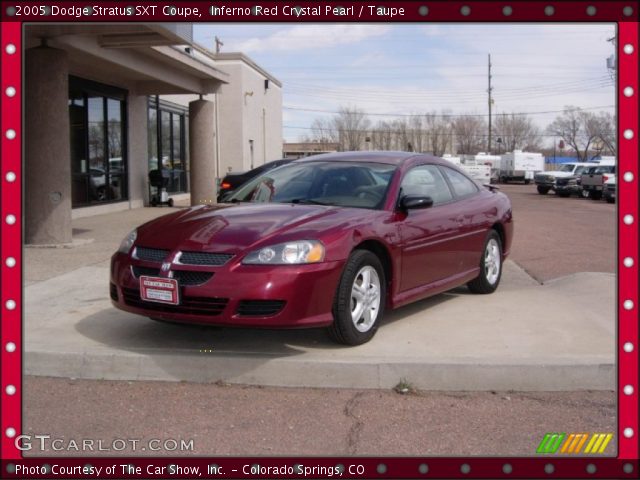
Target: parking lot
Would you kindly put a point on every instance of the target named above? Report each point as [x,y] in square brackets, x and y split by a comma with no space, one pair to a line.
[558,236]
[555,237]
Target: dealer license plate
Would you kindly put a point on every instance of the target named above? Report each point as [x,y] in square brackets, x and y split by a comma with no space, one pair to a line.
[160,290]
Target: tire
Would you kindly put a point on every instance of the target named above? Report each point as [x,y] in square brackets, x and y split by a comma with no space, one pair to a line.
[527,182]
[349,326]
[154,202]
[563,194]
[611,200]
[170,202]
[595,195]
[543,190]
[490,266]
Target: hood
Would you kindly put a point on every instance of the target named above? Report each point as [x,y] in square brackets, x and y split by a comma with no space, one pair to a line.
[556,174]
[231,229]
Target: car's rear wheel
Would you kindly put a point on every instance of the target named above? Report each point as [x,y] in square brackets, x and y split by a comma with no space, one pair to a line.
[360,299]
[543,190]
[527,182]
[595,195]
[563,194]
[490,266]
[611,200]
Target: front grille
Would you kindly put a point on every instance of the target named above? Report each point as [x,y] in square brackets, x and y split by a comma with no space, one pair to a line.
[203,258]
[113,291]
[148,271]
[151,254]
[206,306]
[259,308]
[186,277]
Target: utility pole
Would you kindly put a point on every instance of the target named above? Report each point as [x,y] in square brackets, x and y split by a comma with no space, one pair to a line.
[611,61]
[490,102]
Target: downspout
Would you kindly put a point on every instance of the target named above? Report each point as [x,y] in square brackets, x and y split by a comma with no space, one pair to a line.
[264,136]
[218,177]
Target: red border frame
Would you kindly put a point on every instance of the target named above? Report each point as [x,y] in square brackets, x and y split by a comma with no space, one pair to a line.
[438,11]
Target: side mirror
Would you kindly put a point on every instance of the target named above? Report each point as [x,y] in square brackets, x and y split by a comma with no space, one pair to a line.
[411,202]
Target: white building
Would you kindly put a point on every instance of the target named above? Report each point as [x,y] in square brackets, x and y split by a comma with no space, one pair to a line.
[250,115]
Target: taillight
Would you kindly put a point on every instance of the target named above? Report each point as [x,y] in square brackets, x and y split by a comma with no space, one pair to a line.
[605,178]
[225,185]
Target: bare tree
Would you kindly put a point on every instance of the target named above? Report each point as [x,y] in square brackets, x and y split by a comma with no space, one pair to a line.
[323,132]
[382,136]
[606,126]
[517,132]
[585,132]
[469,133]
[351,125]
[438,132]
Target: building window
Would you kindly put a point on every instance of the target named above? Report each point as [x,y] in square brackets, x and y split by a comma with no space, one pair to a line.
[98,143]
[167,144]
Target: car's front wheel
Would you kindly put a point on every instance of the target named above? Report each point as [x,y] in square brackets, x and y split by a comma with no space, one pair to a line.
[490,266]
[543,190]
[360,299]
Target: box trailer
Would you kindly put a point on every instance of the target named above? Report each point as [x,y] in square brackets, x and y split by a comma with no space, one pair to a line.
[520,166]
[493,161]
[478,171]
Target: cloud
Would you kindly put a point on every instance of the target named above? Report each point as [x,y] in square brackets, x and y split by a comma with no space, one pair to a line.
[312,37]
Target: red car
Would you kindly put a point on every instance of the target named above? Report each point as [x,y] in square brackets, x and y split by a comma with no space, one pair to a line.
[331,240]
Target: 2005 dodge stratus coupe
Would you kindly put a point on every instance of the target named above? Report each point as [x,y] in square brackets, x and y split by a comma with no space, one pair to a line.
[330,240]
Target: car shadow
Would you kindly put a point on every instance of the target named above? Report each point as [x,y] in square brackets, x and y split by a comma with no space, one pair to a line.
[392,316]
[204,353]
[125,331]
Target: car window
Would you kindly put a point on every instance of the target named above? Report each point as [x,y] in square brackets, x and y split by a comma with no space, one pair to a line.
[579,170]
[426,181]
[346,184]
[462,186]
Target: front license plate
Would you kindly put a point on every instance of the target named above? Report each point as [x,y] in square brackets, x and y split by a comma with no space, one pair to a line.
[161,290]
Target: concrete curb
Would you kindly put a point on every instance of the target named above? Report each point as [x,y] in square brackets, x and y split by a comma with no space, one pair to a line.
[287,372]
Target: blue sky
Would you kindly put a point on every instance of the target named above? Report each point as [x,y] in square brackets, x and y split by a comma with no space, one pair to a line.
[398,69]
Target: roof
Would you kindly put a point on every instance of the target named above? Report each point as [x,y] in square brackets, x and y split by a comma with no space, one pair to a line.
[241,57]
[394,158]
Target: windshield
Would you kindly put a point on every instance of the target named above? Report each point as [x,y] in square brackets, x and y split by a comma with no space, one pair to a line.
[345,184]
[567,167]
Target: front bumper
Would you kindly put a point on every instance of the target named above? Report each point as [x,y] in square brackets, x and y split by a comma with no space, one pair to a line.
[297,295]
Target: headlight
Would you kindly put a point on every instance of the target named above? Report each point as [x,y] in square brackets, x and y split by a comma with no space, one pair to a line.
[290,253]
[127,242]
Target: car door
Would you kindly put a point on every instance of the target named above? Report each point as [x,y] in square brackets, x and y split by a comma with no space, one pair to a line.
[474,214]
[427,235]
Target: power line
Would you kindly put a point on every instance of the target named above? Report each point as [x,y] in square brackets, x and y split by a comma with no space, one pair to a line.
[439,96]
[444,115]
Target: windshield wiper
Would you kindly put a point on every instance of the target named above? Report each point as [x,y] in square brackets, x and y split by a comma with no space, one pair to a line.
[309,201]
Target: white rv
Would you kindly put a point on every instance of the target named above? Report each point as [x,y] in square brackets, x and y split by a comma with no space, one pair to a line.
[520,166]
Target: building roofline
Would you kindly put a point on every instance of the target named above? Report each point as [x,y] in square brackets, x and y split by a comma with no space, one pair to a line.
[238,56]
